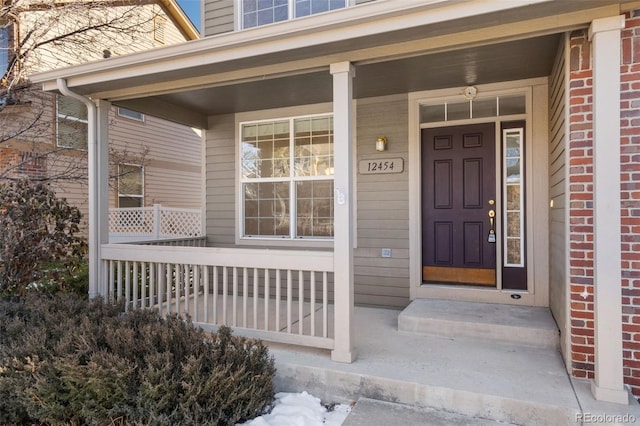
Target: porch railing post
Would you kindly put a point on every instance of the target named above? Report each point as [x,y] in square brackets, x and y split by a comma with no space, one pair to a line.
[343,74]
[156,221]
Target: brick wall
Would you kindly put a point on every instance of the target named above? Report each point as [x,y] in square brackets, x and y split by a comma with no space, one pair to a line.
[630,183]
[581,205]
[581,202]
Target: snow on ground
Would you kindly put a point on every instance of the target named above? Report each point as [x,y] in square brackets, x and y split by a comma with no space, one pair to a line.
[301,409]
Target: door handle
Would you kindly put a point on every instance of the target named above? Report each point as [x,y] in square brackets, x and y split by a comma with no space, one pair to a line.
[492,233]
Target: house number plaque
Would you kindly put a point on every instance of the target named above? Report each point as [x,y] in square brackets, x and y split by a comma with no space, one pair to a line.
[377,166]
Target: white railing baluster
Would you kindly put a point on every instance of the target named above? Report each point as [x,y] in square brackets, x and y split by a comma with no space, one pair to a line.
[289,299]
[112,276]
[196,291]
[245,295]
[234,308]
[127,285]
[266,299]
[215,295]
[169,284]
[225,292]
[119,290]
[187,270]
[152,284]
[325,306]
[278,298]
[143,285]
[206,293]
[255,297]
[161,276]
[135,285]
[178,285]
[312,302]
[300,302]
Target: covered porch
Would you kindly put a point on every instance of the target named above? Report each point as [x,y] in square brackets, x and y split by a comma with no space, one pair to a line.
[368,67]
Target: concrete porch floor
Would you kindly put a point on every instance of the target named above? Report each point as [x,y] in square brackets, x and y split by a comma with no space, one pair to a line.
[474,377]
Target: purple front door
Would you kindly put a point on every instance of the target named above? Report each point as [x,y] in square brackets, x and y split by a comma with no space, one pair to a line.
[459,204]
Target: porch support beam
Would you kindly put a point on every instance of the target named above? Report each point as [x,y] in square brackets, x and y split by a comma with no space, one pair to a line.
[608,383]
[98,175]
[343,74]
[100,189]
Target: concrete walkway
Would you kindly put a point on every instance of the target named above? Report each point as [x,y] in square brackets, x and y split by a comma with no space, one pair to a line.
[473,378]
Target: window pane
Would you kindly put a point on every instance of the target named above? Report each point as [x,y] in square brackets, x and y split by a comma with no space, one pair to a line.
[484,107]
[309,7]
[314,147]
[515,104]
[266,208]
[458,111]
[129,179]
[4,49]
[72,134]
[265,150]
[514,256]
[69,107]
[432,113]
[124,202]
[314,203]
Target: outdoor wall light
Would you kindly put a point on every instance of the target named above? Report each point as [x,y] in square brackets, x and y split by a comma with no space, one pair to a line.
[381,143]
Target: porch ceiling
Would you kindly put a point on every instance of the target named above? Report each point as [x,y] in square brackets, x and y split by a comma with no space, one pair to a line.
[508,61]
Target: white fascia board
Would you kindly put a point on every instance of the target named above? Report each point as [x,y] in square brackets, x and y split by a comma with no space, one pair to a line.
[364,20]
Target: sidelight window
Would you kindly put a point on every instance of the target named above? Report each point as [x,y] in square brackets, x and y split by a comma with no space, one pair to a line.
[513,184]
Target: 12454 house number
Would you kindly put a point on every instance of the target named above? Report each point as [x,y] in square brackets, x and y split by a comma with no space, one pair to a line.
[381,166]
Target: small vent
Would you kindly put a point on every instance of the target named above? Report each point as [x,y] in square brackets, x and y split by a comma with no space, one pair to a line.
[159,25]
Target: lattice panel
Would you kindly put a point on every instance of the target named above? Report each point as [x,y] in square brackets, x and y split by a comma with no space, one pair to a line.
[131,220]
[180,223]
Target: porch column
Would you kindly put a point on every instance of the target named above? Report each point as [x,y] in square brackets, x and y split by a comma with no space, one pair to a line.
[343,73]
[99,195]
[607,294]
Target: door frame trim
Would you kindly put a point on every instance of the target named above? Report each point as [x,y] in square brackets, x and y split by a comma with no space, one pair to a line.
[536,119]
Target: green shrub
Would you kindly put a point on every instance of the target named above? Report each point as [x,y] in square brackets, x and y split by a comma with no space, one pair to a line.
[64,360]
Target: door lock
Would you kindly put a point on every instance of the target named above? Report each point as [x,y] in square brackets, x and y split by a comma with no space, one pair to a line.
[492,233]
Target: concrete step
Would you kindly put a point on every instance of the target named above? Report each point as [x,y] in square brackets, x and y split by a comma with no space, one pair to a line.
[476,378]
[521,325]
[372,412]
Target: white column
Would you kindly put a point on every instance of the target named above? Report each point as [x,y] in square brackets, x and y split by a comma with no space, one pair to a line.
[343,74]
[99,199]
[608,383]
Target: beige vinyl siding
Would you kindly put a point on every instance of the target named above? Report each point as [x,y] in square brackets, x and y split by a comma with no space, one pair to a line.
[172,164]
[557,189]
[220,180]
[382,206]
[218,17]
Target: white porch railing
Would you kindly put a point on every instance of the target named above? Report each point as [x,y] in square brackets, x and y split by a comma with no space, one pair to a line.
[277,295]
[153,223]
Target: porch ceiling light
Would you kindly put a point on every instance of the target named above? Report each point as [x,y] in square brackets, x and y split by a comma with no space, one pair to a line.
[381,143]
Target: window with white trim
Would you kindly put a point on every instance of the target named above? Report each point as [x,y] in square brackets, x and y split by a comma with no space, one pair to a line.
[71,123]
[286,178]
[255,13]
[133,115]
[130,185]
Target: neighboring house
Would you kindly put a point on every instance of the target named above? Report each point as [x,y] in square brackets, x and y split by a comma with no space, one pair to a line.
[479,151]
[152,160]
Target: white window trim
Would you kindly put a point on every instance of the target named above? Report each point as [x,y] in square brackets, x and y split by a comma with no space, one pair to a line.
[142,174]
[239,17]
[124,113]
[69,118]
